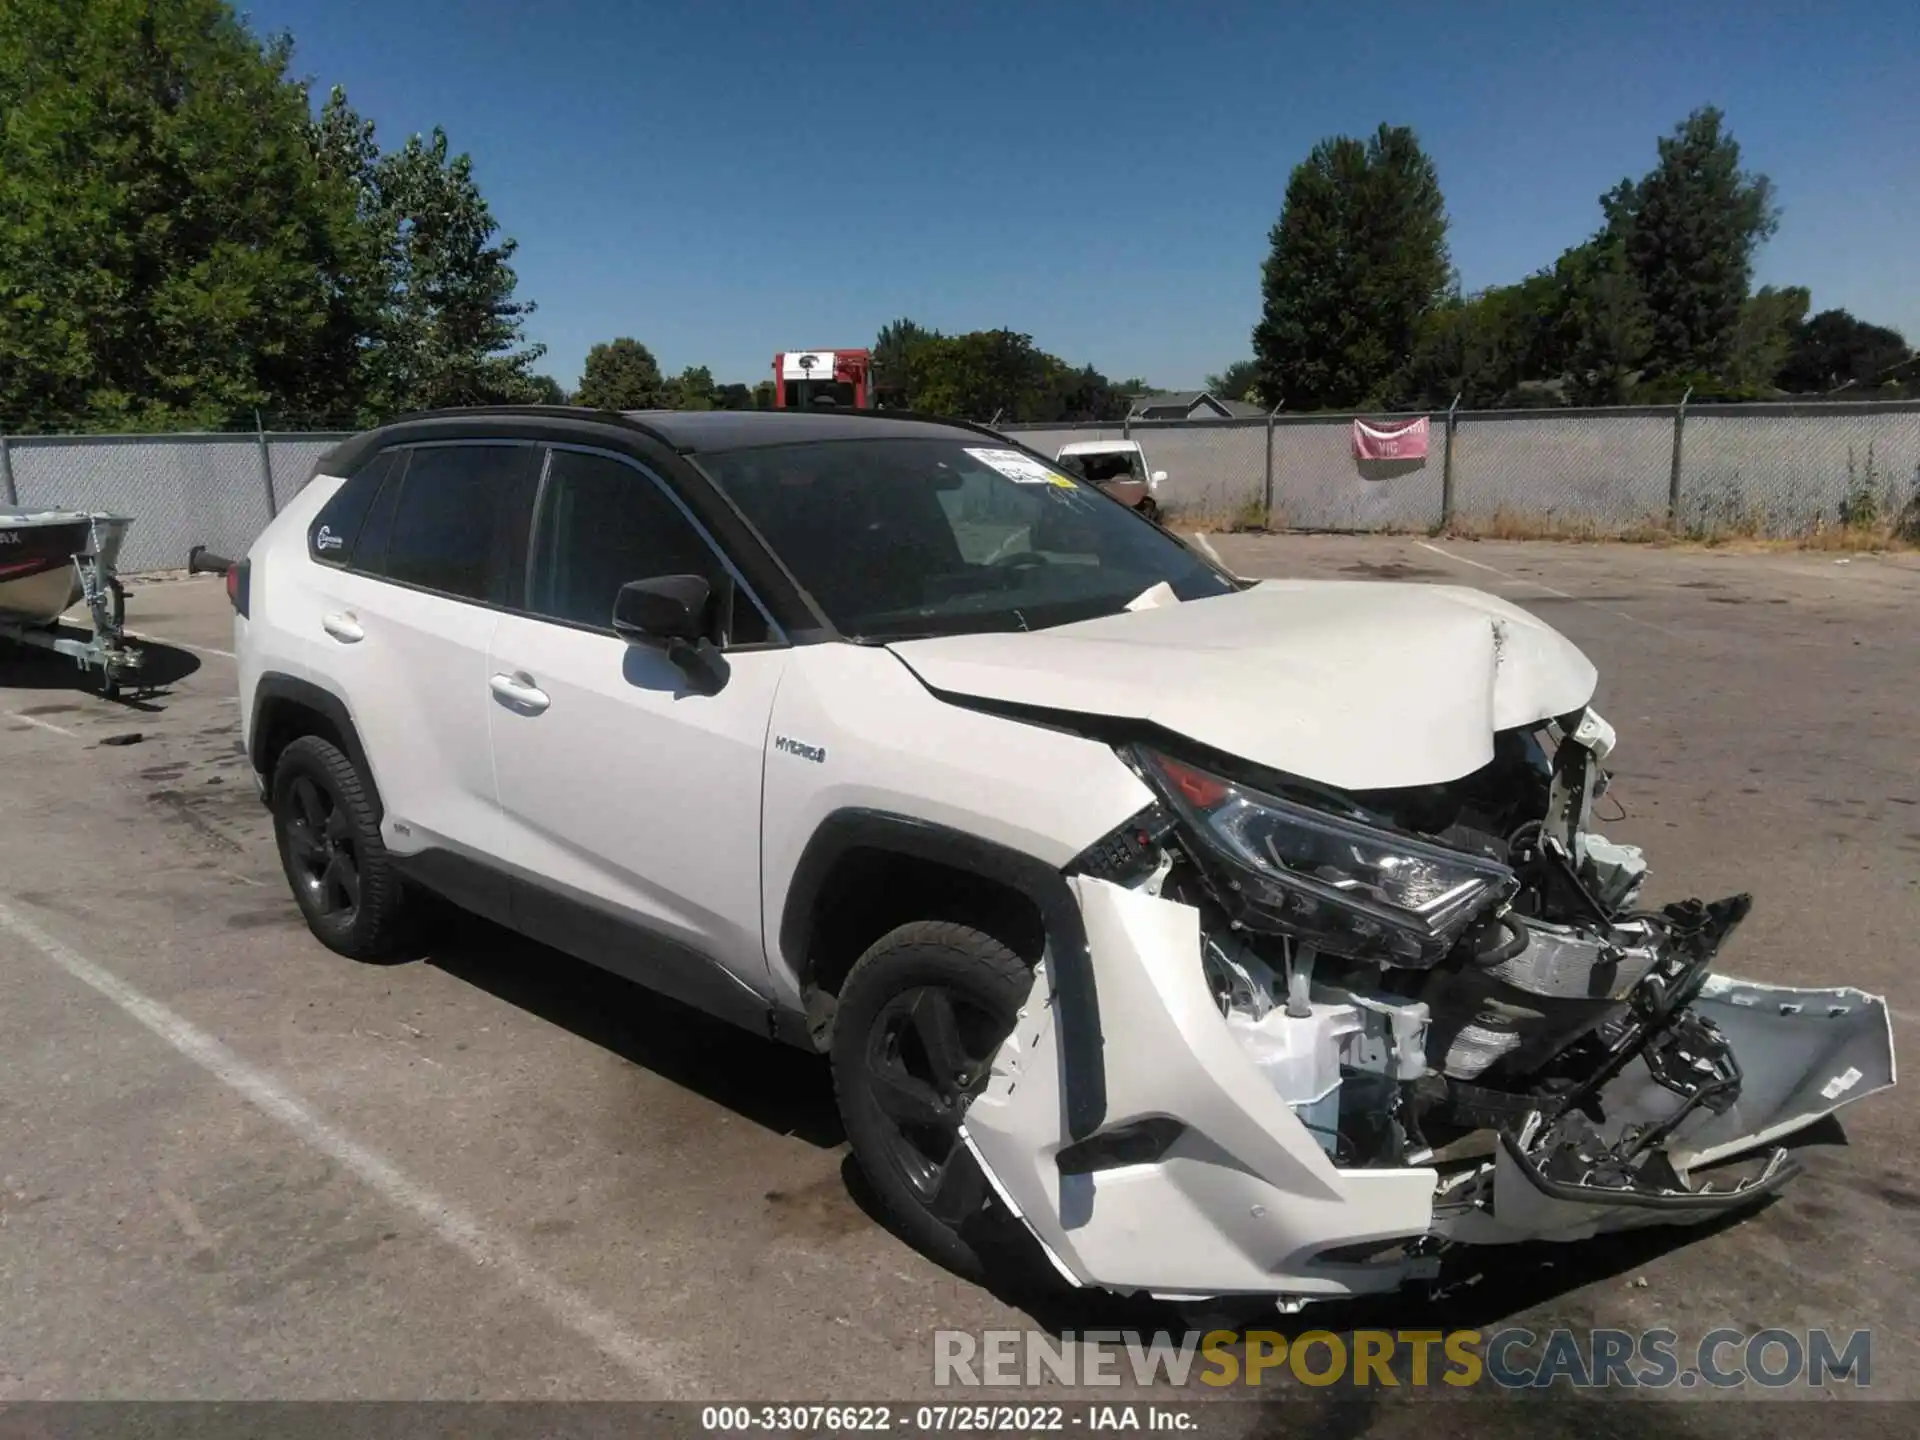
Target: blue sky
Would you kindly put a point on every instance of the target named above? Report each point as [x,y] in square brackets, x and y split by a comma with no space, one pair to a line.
[725,180]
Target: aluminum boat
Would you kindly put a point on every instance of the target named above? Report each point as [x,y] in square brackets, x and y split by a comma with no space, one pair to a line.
[39,580]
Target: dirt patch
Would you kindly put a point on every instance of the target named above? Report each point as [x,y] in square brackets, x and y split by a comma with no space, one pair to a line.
[181,807]
[1394,570]
[819,1210]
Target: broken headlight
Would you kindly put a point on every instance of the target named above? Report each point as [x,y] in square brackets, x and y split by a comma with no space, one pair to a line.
[1346,887]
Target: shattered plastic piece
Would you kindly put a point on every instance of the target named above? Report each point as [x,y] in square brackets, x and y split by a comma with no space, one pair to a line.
[1840,1084]
[131,737]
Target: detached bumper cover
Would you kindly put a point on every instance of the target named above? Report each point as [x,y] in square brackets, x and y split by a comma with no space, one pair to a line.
[1242,1200]
[1803,1054]
[1224,1191]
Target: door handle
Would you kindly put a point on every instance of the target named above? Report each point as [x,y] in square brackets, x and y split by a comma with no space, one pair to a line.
[343,628]
[520,692]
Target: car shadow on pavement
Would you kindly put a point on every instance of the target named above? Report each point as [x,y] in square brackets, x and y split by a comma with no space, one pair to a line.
[1479,1289]
[773,1085]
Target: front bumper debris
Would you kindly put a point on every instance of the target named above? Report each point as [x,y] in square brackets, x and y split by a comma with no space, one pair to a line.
[1202,1182]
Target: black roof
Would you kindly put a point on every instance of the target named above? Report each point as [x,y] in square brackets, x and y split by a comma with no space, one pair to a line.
[690,432]
[708,431]
[693,431]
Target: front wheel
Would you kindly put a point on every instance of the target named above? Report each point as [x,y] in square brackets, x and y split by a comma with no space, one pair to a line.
[1150,508]
[914,1034]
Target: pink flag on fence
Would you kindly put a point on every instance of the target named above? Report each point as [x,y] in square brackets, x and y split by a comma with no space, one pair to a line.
[1406,440]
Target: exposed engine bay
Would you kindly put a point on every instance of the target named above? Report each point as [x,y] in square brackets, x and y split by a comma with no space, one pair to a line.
[1431,976]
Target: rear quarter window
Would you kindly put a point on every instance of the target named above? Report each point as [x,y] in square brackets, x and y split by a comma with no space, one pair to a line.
[335,531]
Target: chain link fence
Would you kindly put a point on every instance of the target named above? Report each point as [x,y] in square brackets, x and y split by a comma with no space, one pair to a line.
[181,490]
[1763,470]
[1780,471]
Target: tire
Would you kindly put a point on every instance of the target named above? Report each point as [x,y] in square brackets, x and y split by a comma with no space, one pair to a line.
[920,991]
[1150,508]
[330,848]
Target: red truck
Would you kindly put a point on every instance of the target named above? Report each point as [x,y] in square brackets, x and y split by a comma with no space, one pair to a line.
[806,378]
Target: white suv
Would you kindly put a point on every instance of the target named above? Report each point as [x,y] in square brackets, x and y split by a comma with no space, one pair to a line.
[1233,939]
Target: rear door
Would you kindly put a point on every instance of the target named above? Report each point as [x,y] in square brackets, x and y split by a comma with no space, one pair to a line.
[408,606]
[631,803]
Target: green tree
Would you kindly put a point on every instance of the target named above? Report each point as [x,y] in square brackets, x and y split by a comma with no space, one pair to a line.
[691,389]
[455,334]
[1688,231]
[621,375]
[545,390]
[985,373]
[732,396]
[171,253]
[1485,347]
[1239,381]
[1770,318]
[763,394]
[981,374]
[892,376]
[1834,349]
[1079,394]
[1607,327]
[1358,259]
[432,288]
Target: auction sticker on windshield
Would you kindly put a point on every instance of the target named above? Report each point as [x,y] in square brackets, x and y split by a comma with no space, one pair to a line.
[1021,468]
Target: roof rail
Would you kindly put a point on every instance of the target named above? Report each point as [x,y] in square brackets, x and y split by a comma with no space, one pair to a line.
[576,412]
[923,416]
[627,421]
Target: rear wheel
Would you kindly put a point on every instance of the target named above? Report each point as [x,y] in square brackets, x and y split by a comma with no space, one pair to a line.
[914,1034]
[331,850]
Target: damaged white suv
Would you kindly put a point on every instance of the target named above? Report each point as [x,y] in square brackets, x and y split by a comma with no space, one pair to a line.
[1241,940]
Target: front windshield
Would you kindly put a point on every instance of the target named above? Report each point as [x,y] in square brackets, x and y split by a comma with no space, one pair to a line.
[1107,466]
[900,538]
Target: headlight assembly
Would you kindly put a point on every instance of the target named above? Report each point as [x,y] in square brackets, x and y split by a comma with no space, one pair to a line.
[1346,887]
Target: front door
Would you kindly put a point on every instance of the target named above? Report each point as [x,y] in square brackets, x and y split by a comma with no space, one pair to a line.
[631,802]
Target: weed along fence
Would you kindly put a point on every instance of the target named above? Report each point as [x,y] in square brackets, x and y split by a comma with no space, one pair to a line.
[1768,470]
[1782,470]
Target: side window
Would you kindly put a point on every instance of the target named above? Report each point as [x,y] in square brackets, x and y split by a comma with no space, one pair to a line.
[459,525]
[370,549]
[604,522]
[336,529]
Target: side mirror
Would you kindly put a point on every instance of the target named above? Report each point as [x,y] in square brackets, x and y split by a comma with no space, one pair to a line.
[672,607]
[673,612]
[1159,477]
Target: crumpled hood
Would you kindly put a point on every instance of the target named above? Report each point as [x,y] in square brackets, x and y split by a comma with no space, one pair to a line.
[1357,684]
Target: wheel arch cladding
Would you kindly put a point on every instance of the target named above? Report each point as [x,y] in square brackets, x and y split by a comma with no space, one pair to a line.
[852,844]
[286,708]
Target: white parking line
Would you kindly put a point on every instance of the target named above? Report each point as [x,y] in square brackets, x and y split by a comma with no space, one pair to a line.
[1524,580]
[1200,539]
[38,723]
[152,639]
[652,1364]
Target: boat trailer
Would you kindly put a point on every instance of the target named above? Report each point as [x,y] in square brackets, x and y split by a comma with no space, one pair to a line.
[105,648]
